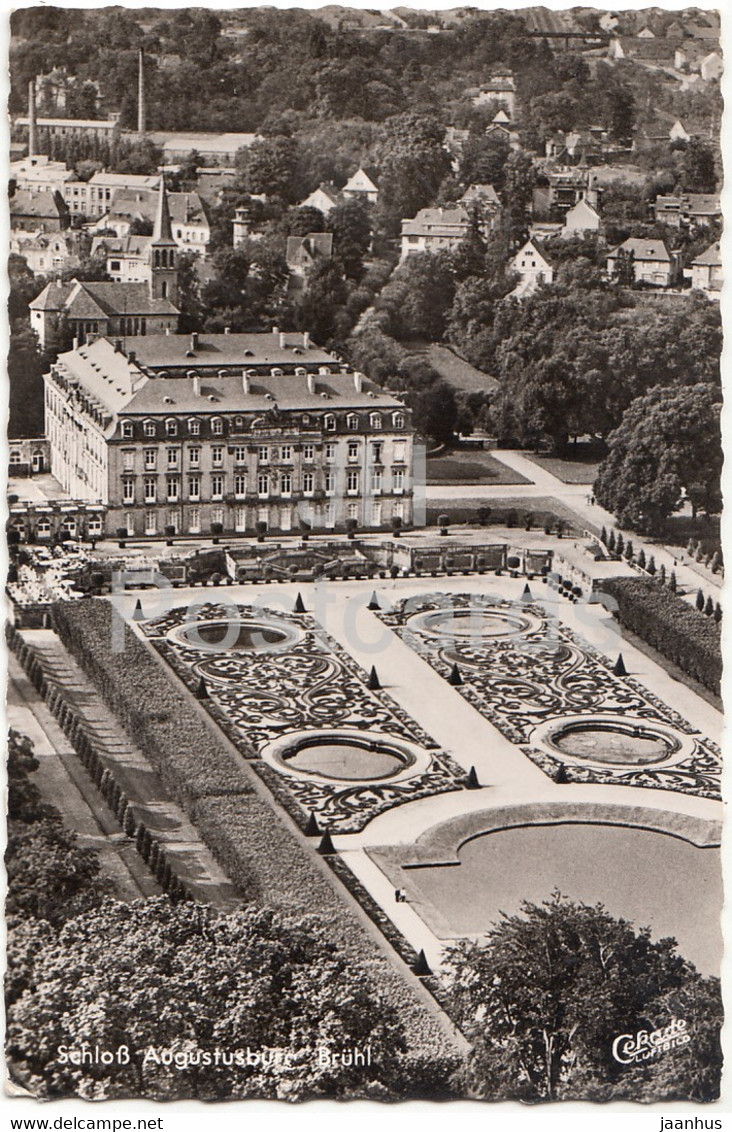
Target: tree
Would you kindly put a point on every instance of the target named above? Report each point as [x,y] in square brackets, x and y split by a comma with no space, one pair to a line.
[435,412]
[668,442]
[518,186]
[412,162]
[544,996]
[49,875]
[271,168]
[325,292]
[350,224]
[700,601]
[698,170]
[153,975]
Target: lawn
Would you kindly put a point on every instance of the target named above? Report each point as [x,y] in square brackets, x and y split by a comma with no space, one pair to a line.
[541,508]
[583,469]
[470,466]
[454,369]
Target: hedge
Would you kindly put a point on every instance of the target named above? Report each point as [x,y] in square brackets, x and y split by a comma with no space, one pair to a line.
[667,623]
[261,856]
[155,714]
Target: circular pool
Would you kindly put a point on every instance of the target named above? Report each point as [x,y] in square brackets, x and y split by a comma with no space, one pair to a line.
[605,743]
[251,635]
[346,759]
[346,756]
[473,623]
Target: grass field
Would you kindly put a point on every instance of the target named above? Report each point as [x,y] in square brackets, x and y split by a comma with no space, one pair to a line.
[541,507]
[470,467]
[581,470]
[456,371]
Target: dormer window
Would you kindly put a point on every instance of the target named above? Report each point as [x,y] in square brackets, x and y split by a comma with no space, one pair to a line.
[171,427]
[375,420]
[352,421]
[329,423]
[217,426]
[398,420]
[127,429]
[194,427]
[149,428]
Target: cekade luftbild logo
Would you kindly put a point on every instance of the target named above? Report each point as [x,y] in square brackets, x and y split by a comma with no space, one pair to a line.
[645,1045]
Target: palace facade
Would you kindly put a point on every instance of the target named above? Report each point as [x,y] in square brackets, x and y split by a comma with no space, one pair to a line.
[226,434]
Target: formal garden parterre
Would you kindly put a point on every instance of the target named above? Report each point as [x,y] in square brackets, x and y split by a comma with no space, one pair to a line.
[538,672]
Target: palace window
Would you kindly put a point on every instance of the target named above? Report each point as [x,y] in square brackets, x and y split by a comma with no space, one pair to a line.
[127,429]
[194,428]
[329,423]
[151,490]
[128,491]
[398,479]
[240,455]
[308,451]
[217,426]
[352,422]
[308,483]
[375,420]
[217,455]
[149,428]
[240,485]
[352,481]
[194,488]
[286,484]
[286,452]
[171,427]
[194,457]
[173,485]
[217,487]
[263,485]
[353,450]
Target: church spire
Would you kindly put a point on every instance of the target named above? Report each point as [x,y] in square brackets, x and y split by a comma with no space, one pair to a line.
[163,252]
[162,231]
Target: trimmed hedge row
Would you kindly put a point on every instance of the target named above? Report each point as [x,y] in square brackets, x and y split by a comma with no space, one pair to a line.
[660,618]
[244,833]
[153,712]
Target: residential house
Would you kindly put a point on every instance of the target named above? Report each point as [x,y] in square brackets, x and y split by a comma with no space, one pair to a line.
[687,209]
[325,197]
[706,271]
[90,310]
[581,219]
[485,196]
[363,185]
[226,431]
[501,89]
[45,252]
[533,265]
[304,251]
[211,180]
[189,222]
[652,262]
[38,212]
[127,257]
[433,229]
[94,197]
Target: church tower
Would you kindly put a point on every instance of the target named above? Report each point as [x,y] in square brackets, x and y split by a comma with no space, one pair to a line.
[163,253]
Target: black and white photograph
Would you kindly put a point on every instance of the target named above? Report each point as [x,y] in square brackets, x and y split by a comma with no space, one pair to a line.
[365,564]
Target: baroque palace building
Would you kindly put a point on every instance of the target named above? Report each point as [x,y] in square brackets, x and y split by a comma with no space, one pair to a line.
[226,434]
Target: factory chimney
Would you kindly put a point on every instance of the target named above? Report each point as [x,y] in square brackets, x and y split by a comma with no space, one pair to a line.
[141,95]
[32,118]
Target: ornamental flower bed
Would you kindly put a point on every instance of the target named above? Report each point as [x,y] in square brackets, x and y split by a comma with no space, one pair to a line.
[518,683]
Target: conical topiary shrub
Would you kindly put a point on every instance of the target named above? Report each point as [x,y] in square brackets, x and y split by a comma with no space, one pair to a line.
[527,594]
[201,690]
[299,604]
[472,780]
[619,667]
[373,604]
[312,829]
[138,615]
[421,967]
[326,847]
[455,678]
[561,776]
[373,681]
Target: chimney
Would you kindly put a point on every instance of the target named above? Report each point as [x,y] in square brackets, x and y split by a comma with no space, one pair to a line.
[141,95]
[118,345]
[245,382]
[283,342]
[358,382]
[306,339]
[194,340]
[131,356]
[31,118]
[196,385]
[311,383]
